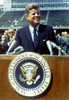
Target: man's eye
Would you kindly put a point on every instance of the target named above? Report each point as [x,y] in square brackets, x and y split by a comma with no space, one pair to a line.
[38,13]
[33,13]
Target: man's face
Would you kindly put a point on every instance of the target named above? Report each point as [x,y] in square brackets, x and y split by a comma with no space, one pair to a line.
[11,33]
[33,17]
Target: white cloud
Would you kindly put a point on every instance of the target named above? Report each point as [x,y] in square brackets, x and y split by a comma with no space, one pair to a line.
[1,2]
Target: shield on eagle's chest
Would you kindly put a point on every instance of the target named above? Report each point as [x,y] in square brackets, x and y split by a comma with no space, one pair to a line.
[29,76]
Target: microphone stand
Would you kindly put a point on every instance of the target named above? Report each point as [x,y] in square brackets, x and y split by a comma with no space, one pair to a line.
[16,51]
[55,46]
[64,52]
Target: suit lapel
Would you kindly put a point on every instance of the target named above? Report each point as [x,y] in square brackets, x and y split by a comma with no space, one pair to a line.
[39,34]
[29,35]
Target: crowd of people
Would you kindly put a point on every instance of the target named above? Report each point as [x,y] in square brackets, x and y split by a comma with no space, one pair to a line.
[36,37]
[6,39]
[63,41]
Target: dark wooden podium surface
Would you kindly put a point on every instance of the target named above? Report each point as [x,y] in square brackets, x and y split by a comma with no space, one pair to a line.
[59,89]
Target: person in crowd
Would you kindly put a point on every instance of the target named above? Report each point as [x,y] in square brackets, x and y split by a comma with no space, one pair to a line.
[55,50]
[2,49]
[12,46]
[35,37]
[63,40]
[58,37]
[3,37]
[11,34]
[67,44]
[6,33]
[7,40]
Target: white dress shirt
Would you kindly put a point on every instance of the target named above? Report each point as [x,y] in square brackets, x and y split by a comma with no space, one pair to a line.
[32,31]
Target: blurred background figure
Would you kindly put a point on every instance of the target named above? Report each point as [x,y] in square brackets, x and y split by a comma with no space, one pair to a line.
[6,33]
[67,44]
[3,37]
[63,41]
[7,39]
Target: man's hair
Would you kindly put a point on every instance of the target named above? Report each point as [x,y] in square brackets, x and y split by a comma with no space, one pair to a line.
[30,7]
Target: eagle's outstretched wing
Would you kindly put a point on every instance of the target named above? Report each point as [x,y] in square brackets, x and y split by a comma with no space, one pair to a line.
[23,72]
[35,71]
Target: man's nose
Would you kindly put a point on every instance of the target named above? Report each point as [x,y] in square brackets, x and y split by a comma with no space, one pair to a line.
[36,14]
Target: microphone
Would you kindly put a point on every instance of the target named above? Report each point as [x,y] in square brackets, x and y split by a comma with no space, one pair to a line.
[18,50]
[48,43]
[57,47]
[11,47]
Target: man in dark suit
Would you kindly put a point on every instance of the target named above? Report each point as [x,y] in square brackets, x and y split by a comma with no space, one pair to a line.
[5,43]
[26,38]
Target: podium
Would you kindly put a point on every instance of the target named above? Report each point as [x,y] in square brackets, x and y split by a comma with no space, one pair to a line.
[59,89]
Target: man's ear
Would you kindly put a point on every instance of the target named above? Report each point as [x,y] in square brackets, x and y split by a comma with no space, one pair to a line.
[26,16]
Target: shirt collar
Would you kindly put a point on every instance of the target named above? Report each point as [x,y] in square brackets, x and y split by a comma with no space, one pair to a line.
[32,28]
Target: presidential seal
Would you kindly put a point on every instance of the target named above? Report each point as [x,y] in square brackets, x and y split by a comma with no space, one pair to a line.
[29,74]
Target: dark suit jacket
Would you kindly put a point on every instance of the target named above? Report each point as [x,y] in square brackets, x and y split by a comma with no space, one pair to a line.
[45,32]
[5,45]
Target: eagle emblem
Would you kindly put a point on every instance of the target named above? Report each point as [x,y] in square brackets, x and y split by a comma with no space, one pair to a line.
[28,75]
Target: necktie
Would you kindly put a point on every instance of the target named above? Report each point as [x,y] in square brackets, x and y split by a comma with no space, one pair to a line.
[35,38]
